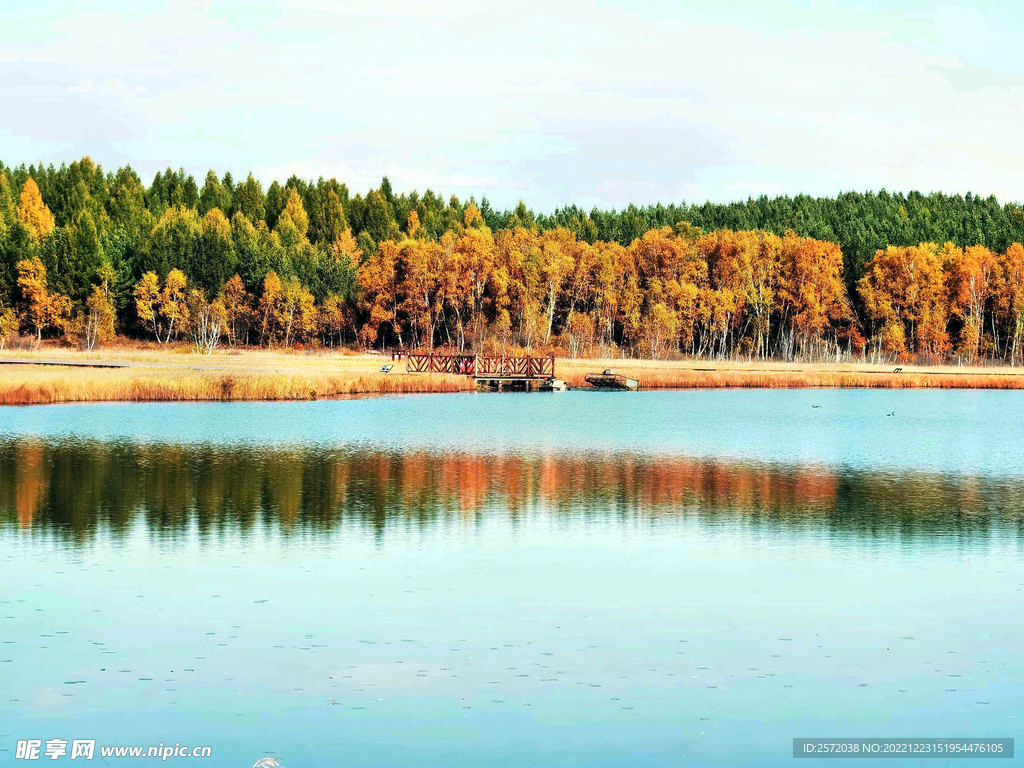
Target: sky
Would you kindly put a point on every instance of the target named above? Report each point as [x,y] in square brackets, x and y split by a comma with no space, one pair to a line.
[554,103]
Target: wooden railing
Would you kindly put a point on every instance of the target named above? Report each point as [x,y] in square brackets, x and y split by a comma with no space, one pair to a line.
[516,367]
[484,366]
[463,364]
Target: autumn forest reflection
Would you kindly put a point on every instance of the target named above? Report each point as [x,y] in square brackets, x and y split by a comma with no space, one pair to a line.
[75,488]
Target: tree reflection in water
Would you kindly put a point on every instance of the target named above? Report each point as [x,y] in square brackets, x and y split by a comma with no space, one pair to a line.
[74,488]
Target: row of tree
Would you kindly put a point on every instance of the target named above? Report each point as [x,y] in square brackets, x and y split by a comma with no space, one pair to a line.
[85,252]
[722,294]
[122,208]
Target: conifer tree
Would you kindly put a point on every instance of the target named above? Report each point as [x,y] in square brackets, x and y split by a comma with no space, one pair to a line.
[33,213]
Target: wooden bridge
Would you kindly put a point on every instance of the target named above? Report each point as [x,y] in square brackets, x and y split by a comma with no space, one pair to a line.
[490,371]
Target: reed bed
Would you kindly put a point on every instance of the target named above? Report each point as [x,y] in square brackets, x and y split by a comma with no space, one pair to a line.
[169,375]
[25,385]
[738,378]
[183,356]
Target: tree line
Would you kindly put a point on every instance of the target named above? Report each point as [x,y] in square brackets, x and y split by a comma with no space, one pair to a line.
[85,254]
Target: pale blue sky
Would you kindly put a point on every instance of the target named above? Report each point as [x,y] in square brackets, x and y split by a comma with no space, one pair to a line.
[601,103]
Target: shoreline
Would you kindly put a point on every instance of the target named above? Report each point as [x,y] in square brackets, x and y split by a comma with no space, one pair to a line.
[52,376]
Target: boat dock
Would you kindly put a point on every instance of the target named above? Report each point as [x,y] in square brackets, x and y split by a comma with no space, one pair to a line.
[491,372]
[612,381]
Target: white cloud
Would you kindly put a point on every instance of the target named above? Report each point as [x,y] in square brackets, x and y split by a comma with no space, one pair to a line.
[389,9]
[553,103]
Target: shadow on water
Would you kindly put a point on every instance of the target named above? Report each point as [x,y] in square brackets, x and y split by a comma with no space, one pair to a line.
[73,488]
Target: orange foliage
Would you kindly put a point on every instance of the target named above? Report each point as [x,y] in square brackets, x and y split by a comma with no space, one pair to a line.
[44,308]
[33,213]
[902,292]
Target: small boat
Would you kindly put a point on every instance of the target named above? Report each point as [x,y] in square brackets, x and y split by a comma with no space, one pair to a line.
[612,381]
[554,385]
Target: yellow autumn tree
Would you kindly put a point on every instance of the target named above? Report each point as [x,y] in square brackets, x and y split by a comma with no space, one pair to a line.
[724,302]
[96,323]
[33,213]
[556,263]
[293,223]
[346,251]
[147,305]
[423,287]
[296,313]
[472,216]
[471,261]
[332,318]
[628,296]
[268,311]
[162,310]
[412,224]
[43,308]
[660,329]
[902,293]
[237,310]
[579,328]
[969,276]
[517,268]
[670,271]
[378,294]
[173,306]
[812,301]
[1009,297]
[9,325]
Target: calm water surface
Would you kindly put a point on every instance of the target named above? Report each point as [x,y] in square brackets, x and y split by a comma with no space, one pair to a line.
[464,580]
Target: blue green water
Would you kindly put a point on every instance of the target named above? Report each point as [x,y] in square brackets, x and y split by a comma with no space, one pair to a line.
[574,579]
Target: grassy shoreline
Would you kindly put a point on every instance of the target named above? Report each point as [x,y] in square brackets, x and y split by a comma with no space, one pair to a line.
[178,375]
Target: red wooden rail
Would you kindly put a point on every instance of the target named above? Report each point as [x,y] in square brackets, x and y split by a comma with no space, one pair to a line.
[484,366]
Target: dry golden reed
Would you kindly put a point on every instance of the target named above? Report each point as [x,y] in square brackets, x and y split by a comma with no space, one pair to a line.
[166,375]
[738,378]
[20,385]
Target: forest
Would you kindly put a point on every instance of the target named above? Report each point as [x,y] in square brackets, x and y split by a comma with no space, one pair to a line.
[86,255]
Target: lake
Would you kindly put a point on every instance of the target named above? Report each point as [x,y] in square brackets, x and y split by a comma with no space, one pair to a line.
[609,579]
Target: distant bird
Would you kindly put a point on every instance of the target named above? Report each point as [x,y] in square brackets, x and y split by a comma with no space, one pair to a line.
[815,406]
[891,414]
